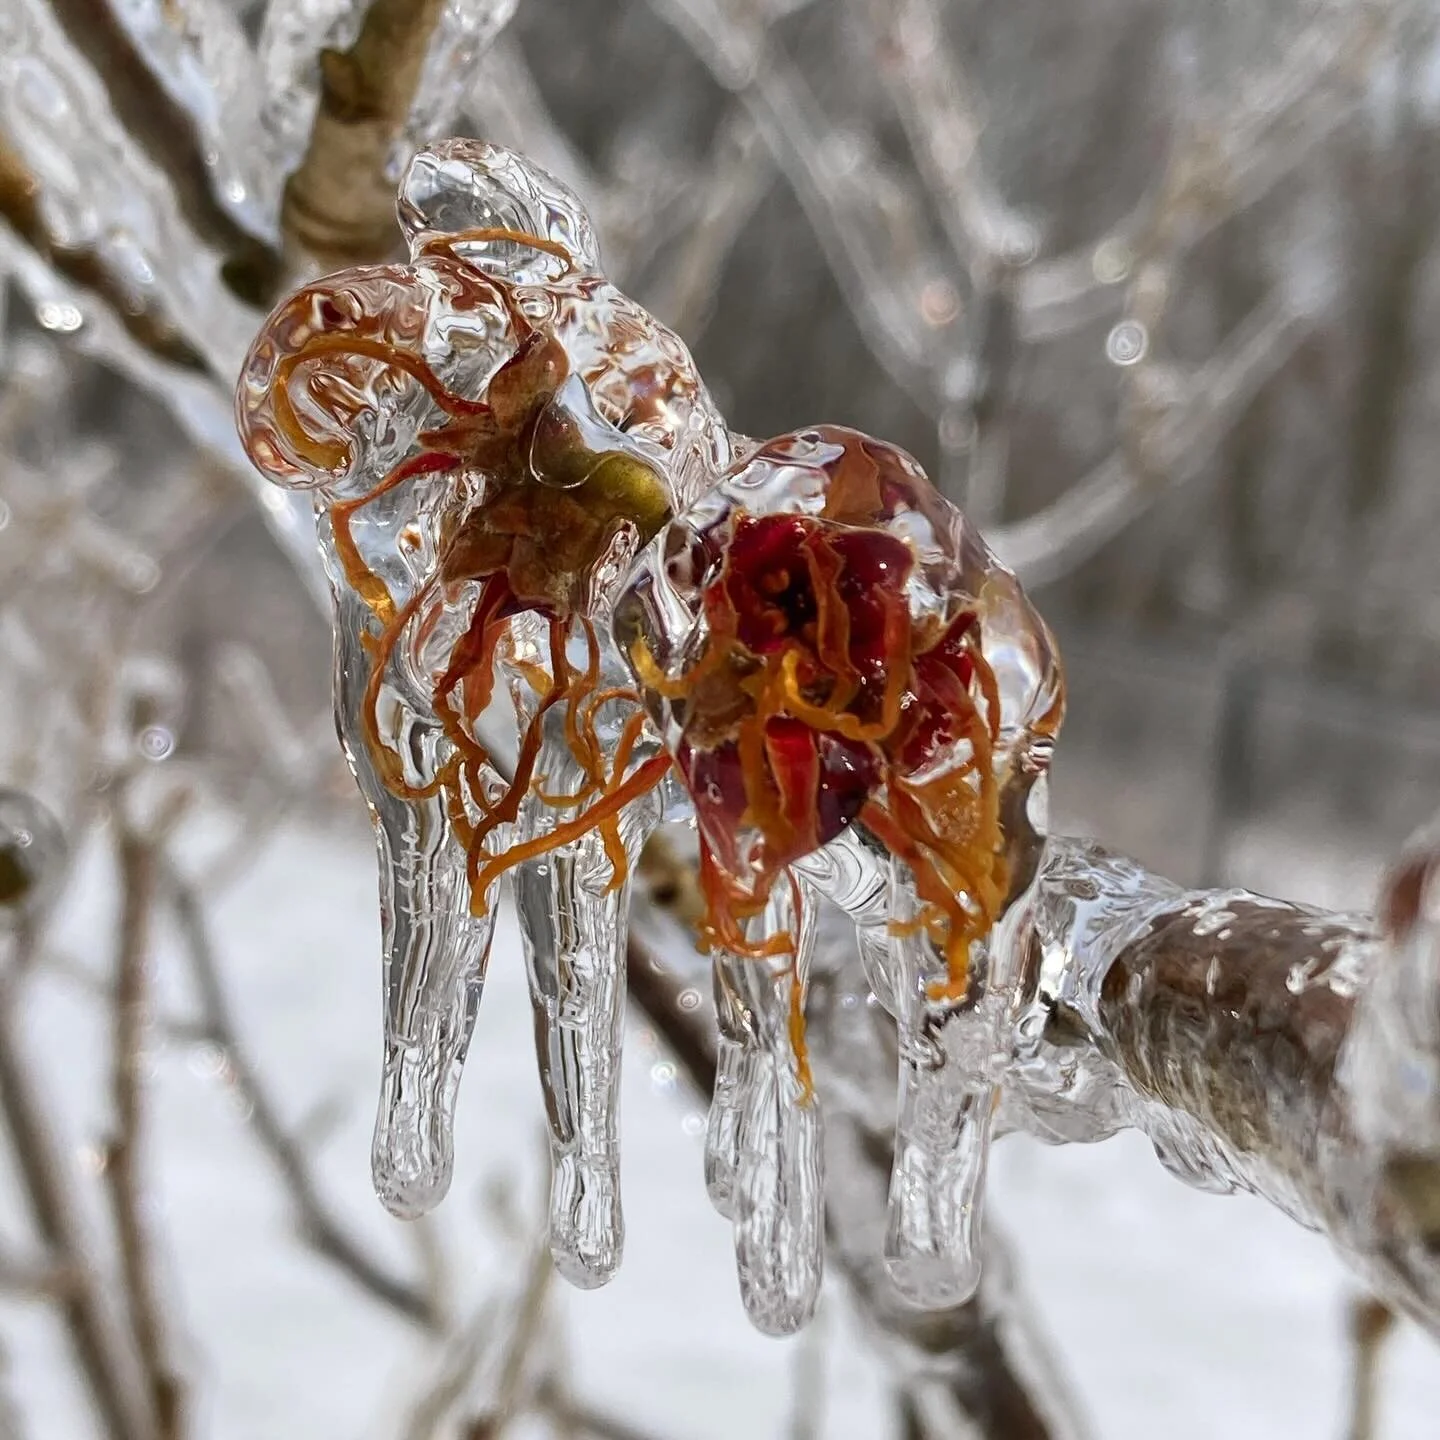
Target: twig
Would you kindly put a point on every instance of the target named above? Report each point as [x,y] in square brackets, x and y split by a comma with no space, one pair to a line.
[164,130]
[720,208]
[583,1419]
[136,855]
[340,204]
[320,1227]
[934,100]
[841,208]
[101,1353]
[1371,1322]
[807,1381]
[509,1389]
[456,1368]
[181,1028]
[1048,544]
[656,990]
[35,1276]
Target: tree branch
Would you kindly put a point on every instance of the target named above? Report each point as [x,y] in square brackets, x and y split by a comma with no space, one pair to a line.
[339,206]
[102,1357]
[136,856]
[1261,1045]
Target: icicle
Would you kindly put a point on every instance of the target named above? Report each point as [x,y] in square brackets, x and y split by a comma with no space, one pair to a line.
[573,925]
[434,951]
[763,1156]
[722,1142]
[942,1127]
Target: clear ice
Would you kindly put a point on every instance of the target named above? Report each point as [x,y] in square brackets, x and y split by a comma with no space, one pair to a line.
[490,431]
[32,858]
[524,493]
[860,701]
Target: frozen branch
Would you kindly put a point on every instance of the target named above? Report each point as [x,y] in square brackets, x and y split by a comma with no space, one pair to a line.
[339,206]
[939,111]
[1260,1045]
[20,209]
[163,129]
[1219,167]
[1172,444]
[835,185]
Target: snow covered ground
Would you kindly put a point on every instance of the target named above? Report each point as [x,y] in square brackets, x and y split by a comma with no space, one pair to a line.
[1175,1314]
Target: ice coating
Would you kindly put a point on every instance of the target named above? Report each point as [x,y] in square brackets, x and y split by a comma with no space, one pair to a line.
[32,858]
[841,669]
[490,429]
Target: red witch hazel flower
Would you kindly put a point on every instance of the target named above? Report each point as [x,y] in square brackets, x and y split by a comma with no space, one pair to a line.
[836,659]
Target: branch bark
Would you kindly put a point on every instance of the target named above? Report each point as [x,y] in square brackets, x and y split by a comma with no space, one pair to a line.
[339,205]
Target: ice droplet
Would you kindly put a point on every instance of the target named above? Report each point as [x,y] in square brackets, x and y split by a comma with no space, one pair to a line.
[1127,343]
[32,857]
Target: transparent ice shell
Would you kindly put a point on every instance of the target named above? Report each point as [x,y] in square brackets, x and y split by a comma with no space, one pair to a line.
[490,430]
[860,701]
[33,858]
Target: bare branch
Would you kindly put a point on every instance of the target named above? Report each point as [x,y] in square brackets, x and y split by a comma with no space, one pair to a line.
[102,1356]
[510,1387]
[33,1276]
[125,1182]
[579,1418]
[1371,1324]
[1175,445]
